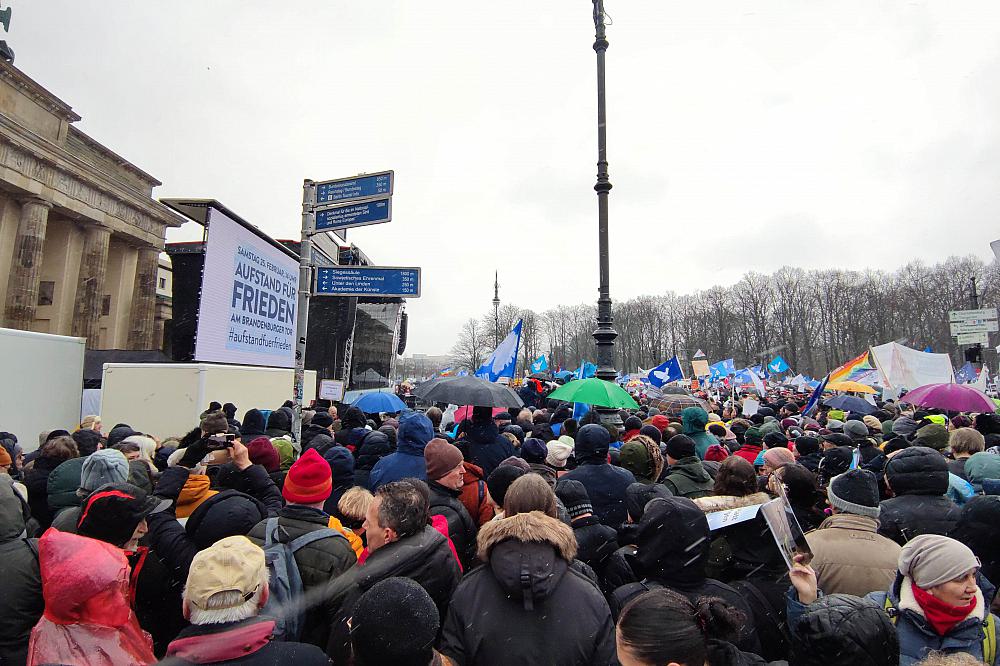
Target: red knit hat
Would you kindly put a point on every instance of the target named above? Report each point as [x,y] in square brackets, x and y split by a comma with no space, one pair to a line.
[309,480]
[716,453]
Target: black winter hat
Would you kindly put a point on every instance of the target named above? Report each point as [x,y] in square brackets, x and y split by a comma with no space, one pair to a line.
[253,423]
[322,419]
[834,462]
[775,440]
[533,450]
[112,512]
[226,514]
[515,430]
[652,432]
[917,470]
[499,481]
[855,491]
[856,630]
[633,423]
[574,497]
[680,446]
[592,440]
[394,622]
[838,439]
[806,444]
[638,495]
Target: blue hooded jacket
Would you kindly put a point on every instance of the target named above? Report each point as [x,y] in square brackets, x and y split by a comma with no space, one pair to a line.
[415,430]
[605,483]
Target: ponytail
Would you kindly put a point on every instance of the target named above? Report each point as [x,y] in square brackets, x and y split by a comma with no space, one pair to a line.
[662,626]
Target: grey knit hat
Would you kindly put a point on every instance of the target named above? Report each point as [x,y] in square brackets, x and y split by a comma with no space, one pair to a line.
[931,559]
[854,491]
[103,467]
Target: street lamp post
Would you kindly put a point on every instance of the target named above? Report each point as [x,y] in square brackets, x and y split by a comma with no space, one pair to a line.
[496,310]
[605,333]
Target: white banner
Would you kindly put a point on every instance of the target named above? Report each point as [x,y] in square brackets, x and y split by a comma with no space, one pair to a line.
[902,367]
[249,292]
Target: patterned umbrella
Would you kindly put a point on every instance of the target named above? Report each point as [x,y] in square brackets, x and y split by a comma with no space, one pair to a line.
[672,404]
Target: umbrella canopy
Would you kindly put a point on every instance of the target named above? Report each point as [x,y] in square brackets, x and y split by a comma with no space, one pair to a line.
[468,391]
[856,387]
[952,397]
[465,412]
[377,403]
[595,391]
[672,404]
[850,403]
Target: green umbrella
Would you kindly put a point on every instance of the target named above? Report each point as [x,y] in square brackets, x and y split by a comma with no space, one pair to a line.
[595,391]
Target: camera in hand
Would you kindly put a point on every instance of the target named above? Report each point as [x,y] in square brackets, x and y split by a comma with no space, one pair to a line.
[220,441]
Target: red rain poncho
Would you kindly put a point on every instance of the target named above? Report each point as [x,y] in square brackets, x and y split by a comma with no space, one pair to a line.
[87,619]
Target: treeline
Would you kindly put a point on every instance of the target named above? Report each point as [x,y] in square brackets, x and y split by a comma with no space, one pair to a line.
[814,319]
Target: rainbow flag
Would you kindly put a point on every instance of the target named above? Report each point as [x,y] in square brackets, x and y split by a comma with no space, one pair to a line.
[852,369]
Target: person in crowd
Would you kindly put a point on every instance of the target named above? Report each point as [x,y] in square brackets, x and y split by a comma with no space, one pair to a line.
[84,476]
[353,506]
[839,629]
[605,483]
[223,596]
[321,424]
[530,493]
[263,453]
[595,542]
[498,484]
[485,445]
[753,444]
[342,467]
[918,479]
[374,446]
[802,492]
[21,603]
[939,602]
[641,456]
[849,556]
[933,436]
[534,452]
[279,424]
[475,495]
[558,453]
[326,553]
[981,466]
[53,453]
[353,428]
[445,474]
[701,632]
[85,585]
[254,425]
[807,452]
[401,542]
[415,431]
[861,440]
[977,528]
[535,594]
[694,420]
[735,486]
[395,622]
[963,443]
[8,441]
[685,475]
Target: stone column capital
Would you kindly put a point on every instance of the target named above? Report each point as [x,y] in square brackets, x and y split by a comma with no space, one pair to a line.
[35,201]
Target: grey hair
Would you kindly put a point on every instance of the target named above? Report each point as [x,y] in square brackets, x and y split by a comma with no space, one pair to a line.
[221,609]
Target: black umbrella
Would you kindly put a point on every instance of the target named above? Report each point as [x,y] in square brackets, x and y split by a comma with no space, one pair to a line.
[850,403]
[468,391]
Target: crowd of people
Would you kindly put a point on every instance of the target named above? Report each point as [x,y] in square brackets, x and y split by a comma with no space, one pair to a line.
[519,537]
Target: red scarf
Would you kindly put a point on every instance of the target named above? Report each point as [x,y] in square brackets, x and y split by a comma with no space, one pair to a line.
[942,616]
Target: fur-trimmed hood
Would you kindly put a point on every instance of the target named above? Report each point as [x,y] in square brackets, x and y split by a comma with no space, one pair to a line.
[533,527]
[528,554]
[727,502]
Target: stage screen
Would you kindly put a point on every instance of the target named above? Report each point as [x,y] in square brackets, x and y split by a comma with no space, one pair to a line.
[249,296]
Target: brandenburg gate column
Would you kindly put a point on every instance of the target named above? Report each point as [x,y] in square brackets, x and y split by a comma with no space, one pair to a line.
[142,333]
[90,287]
[26,267]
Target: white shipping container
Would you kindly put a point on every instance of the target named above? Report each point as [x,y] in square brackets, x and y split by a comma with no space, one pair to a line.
[166,399]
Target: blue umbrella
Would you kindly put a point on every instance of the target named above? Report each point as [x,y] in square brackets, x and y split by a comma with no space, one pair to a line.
[376,403]
[850,403]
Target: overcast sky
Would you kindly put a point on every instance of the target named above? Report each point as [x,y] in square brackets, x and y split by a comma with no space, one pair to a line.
[742,135]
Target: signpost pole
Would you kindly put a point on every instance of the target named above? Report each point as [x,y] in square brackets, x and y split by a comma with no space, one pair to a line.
[305,289]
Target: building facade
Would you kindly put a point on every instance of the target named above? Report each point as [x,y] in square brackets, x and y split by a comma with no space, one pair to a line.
[80,234]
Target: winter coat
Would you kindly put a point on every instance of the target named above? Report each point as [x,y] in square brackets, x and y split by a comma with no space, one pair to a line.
[310,432]
[605,484]
[87,617]
[976,528]
[694,420]
[21,603]
[475,495]
[527,604]
[279,423]
[957,467]
[853,629]
[424,557]
[352,428]
[850,557]
[36,481]
[415,430]
[810,461]
[672,551]
[595,542]
[374,447]
[342,467]
[253,425]
[981,466]
[62,484]
[248,642]
[687,478]
[225,514]
[486,446]
[318,562]
[461,528]
[196,490]
[919,479]
[917,638]
[749,452]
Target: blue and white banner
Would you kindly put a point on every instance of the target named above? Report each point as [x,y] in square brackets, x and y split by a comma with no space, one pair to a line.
[721,370]
[586,370]
[777,364]
[540,364]
[503,360]
[966,374]
[666,372]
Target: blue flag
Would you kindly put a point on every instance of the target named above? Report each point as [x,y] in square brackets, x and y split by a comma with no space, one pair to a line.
[721,369]
[540,364]
[586,370]
[579,409]
[816,395]
[666,372]
[966,374]
[777,364]
[503,360]
[928,350]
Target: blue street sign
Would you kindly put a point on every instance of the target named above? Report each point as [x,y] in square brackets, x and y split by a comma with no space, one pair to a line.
[367,281]
[359,187]
[357,214]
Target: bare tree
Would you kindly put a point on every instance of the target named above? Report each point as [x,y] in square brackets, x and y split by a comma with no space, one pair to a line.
[471,347]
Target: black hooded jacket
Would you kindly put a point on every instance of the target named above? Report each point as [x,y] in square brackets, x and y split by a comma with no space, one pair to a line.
[486,446]
[977,529]
[528,604]
[672,549]
[342,469]
[352,428]
[461,528]
[918,477]
[374,447]
[606,484]
[253,425]
[856,630]
[279,423]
